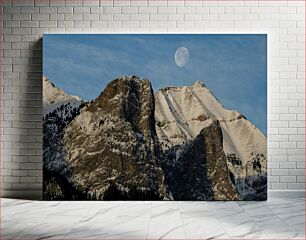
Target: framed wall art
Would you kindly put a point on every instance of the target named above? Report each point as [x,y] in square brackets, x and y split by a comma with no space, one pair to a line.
[155,117]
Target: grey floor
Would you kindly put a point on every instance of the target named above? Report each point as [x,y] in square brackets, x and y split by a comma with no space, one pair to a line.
[273,219]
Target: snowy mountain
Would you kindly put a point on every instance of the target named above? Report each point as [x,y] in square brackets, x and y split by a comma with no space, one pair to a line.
[109,151]
[60,109]
[127,144]
[182,112]
[54,97]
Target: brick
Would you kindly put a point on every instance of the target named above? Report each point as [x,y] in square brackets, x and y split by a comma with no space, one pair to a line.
[113,24]
[280,172]
[19,173]
[74,3]
[106,2]
[10,179]
[90,16]
[96,10]
[65,24]
[48,10]
[300,165]
[21,31]
[229,17]
[287,165]
[29,10]
[11,9]
[57,3]
[26,16]
[267,10]
[130,24]
[277,186]
[40,17]
[176,17]
[129,10]
[166,10]
[23,3]
[57,17]
[157,3]
[202,10]
[111,10]
[138,3]
[287,179]
[148,24]
[140,17]
[73,17]
[81,10]
[185,24]
[63,10]
[191,17]
[121,17]
[11,24]
[28,179]
[147,9]
[221,24]
[287,131]
[300,179]
[98,24]
[158,17]
[296,186]
[91,3]
[40,3]
[195,3]
[104,17]
[82,24]
[185,10]
[296,172]
[231,3]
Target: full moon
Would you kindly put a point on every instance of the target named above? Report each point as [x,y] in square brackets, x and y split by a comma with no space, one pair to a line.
[181,56]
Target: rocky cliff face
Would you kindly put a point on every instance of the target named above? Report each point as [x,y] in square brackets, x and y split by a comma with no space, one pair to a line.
[201,172]
[111,147]
[59,110]
[127,145]
[182,112]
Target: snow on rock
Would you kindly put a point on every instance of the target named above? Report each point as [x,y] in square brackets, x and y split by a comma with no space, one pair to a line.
[54,97]
[126,144]
[182,112]
[111,147]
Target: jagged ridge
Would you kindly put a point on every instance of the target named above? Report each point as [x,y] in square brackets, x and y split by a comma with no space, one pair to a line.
[109,148]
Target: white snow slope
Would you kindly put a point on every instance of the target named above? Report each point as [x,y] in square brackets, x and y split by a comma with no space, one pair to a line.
[182,112]
[54,97]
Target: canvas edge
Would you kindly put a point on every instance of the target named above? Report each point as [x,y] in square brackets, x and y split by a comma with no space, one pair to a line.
[37,194]
[22,194]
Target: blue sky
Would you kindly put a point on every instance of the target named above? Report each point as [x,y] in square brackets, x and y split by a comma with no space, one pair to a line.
[233,66]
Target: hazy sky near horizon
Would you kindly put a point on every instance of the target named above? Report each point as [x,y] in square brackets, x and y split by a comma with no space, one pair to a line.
[233,66]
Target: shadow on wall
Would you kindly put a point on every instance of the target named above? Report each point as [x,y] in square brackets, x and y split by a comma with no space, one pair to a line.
[29,154]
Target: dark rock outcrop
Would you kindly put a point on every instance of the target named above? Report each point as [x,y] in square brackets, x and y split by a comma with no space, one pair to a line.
[112,146]
[201,171]
[56,171]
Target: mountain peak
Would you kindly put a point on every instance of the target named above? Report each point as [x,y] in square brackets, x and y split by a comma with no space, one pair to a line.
[53,94]
[54,97]
[199,83]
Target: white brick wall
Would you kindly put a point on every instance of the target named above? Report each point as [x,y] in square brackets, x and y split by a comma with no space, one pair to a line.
[25,20]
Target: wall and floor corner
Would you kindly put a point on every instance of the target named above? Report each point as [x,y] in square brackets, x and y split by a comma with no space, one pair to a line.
[24,22]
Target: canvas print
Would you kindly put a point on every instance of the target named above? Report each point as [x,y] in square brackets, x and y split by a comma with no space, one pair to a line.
[155,117]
